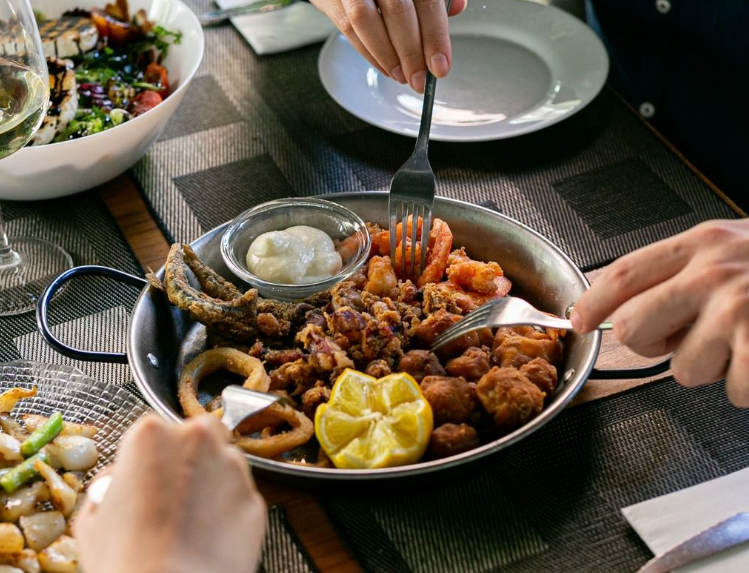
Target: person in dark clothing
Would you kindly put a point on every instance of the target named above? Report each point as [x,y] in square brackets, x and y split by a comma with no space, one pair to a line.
[684,65]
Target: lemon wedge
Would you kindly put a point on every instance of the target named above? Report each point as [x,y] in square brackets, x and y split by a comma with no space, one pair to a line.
[374,422]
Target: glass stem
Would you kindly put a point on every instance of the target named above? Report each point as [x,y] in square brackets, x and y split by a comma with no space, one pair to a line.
[8,257]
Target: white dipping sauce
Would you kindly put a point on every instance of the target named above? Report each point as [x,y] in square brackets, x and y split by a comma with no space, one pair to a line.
[298,255]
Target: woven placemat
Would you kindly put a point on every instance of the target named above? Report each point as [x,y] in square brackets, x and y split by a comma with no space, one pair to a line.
[552,502]
[252,129]
[92,313]
[89,313]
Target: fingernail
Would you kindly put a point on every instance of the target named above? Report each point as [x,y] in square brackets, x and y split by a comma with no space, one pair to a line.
[439,65]
[577,322]
[418,80]
[398,75]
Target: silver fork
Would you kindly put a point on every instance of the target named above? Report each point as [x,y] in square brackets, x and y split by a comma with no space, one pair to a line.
[507,311]
[412,190]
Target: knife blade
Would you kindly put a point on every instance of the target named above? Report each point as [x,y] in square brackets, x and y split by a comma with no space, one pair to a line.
[217,16]
[721,536]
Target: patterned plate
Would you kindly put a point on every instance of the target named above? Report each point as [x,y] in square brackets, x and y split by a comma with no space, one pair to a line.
[79,398]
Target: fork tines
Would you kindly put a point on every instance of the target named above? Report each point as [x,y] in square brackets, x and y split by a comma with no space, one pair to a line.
[409,214]
[472,321]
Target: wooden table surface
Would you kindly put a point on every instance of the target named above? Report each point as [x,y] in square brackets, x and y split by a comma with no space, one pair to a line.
[305,514]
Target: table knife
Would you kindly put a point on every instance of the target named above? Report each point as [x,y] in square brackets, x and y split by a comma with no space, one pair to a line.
[724,535]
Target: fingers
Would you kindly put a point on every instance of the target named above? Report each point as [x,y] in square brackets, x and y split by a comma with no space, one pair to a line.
[737,380]
[369,28]
[628,277]
[333,9]
[646,322]
[703,355]
[435,37]
[401,38]
[402,23]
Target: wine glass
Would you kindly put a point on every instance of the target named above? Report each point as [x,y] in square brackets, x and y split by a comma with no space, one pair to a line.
[26,263]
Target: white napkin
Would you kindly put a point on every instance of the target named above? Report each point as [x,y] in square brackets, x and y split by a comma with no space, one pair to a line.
[271,32]
[666,521]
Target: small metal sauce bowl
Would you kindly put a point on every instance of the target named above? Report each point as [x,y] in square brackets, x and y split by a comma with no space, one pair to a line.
[335,220]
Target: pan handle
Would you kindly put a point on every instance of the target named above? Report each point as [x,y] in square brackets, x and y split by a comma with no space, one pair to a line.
[627,373]
[42,312]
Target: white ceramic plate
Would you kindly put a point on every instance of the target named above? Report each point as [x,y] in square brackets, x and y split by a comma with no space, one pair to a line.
[59,169]
[518,67]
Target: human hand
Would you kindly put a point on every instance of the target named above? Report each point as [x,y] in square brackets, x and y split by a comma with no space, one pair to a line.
[688,294]
[181,500]
[401,38]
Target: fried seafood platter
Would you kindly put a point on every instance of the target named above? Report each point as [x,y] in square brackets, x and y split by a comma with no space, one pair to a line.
[361,388]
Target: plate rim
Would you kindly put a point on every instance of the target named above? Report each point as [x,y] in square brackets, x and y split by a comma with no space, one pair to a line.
[597,83]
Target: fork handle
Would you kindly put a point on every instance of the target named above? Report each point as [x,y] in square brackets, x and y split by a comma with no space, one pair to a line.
[422,141]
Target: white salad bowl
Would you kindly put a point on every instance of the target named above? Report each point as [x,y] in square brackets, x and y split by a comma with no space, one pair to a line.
[59,169]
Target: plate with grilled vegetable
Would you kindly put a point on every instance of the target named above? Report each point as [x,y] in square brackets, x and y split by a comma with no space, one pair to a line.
[117,73]
[58,427]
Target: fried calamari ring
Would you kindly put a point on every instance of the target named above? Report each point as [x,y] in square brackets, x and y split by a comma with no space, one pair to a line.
[212,361]
[271,446]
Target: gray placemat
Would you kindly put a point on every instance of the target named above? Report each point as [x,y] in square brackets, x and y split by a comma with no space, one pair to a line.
[92,313]
[552,502]
[89,313]
[282,551]
[252,129]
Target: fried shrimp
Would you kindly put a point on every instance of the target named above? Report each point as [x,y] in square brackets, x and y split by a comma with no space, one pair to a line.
[381,279]
[212,361]
[472,275]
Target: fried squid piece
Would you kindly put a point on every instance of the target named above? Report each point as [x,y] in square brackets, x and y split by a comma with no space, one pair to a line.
[384,336]
[296,375]
[509,398]
[325,355]
[312,398]
[381,278]
[346,325]
[378,368]
[474,276]
[421,363]
[272,445]
[517,346]
[280,357]
[271,326]
[212,361]
[346,294]
[437,298]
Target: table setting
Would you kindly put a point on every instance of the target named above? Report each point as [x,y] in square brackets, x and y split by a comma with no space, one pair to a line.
[270,120]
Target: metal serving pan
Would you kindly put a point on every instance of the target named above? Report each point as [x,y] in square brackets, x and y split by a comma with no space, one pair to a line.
[162,339]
